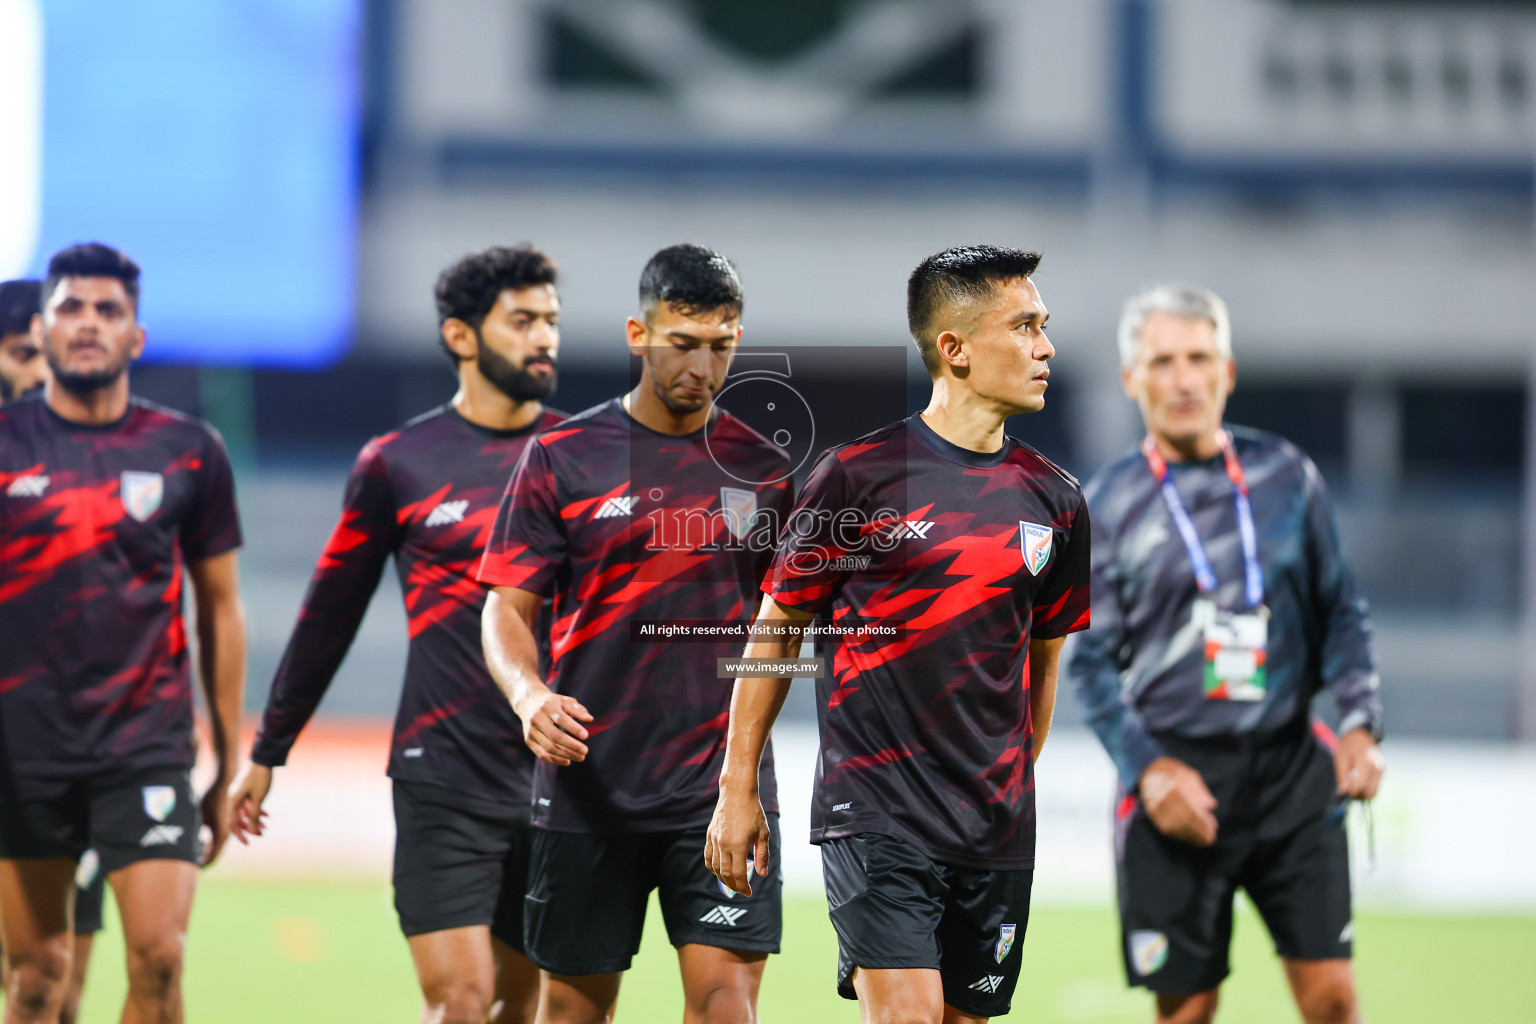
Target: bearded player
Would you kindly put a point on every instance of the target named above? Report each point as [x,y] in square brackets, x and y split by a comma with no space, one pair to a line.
[427,494]
[22,366]
[962,554]
[643,508]
[107,504]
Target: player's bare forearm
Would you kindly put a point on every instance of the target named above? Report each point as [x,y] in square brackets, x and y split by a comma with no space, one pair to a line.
[1044,661]
[511,651]
[757,700]
[552,723]
[738,832]
[221,642]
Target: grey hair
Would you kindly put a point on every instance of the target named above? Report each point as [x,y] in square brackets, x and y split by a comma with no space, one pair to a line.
[1182,300]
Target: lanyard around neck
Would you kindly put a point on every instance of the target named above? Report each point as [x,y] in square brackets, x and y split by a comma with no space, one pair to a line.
[1205,576]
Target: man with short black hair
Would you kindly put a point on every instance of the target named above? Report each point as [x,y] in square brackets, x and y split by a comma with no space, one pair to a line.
[1222,605]
[106,502]
[958,559]
[22,366]
[645,507]
[427,494]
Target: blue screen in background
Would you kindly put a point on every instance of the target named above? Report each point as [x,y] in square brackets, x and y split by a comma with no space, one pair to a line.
[216,144]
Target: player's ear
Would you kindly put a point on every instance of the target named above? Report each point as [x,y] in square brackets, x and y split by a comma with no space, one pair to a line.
[460,338]
[137,348]
[1125,382]
[636,332]
[950,346]
[1231,375]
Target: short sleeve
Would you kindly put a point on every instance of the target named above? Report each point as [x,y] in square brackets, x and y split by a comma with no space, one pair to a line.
[528,543]
[1062,605]
[212,524]
[808,568]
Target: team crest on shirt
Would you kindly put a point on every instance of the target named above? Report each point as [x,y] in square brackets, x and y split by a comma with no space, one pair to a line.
[141,493]
[1149,951]
[159,801]
[1035,542]
[740,508]
[1005,934]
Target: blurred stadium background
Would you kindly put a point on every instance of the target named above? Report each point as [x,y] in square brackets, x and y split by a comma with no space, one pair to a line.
[1356,179]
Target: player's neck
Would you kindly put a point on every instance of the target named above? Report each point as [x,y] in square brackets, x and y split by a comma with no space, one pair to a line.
[963,420]
[646,408]
[1194,448]
[96,407]
[485,405]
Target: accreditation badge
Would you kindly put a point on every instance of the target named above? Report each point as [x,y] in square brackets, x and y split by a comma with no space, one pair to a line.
[1236,644]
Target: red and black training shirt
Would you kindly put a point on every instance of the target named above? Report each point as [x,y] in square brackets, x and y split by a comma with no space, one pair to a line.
[950,561]
[622,524]
[97,525]
[426,494]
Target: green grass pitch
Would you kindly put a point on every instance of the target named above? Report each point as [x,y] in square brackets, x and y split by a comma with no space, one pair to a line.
[263,952]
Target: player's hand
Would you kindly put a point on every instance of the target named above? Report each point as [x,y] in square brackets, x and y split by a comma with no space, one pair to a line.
[1358,764]
[246,795]
[215,807]
[552,727]
[1178,801]
[737,841]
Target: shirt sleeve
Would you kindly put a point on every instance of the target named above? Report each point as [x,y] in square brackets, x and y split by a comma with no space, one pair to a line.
[1062,605]
[807,570]
[1095,665]
[528,542]
[339,591]
[212,525]
[1347,662]
[764,540]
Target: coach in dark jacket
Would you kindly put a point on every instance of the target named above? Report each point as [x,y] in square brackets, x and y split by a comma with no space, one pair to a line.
[1221,606]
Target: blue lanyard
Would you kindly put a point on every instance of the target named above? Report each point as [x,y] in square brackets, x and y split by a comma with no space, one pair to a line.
[1205,576]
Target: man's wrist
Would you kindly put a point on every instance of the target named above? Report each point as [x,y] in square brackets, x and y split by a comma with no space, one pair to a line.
[528,691]
[738,781]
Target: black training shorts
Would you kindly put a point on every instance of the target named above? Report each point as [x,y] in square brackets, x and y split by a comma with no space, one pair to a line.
[895,907]
[587,896]
[126,817]
[459,862]
[1280,836]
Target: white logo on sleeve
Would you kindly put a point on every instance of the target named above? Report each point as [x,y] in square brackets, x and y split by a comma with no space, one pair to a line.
[913,529]
[159,801]
[1348,933]
[448,513]
[990,984]
[621,506]
[31,486]
[724,915]
[141,493]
